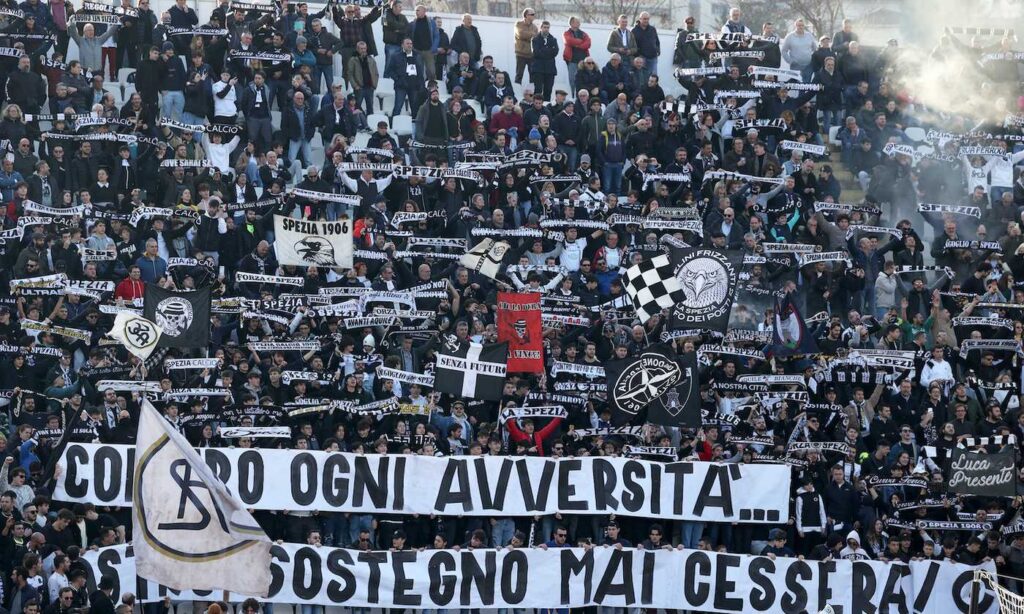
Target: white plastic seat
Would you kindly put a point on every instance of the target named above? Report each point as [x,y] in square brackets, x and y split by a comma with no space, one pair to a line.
[122,75]
[373,120]
[401,125]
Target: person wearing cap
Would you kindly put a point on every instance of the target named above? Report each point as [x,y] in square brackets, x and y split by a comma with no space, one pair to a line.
[173,79]
[612,536]
[777,545]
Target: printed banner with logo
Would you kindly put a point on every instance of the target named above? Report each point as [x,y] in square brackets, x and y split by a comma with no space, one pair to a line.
[680,405]
[636,382]
[690,580]
[708,278]
[183,317]
[311,243]
[270,479]
[519,324]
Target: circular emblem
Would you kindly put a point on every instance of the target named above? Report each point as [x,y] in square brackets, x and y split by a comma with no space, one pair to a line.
[174,316]
[140,334]
[644,381]
[316,250]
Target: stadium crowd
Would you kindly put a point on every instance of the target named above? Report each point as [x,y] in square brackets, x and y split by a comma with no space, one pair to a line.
[751,162]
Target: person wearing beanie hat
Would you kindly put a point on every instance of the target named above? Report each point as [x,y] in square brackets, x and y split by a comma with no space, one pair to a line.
[534,134]
[369,341]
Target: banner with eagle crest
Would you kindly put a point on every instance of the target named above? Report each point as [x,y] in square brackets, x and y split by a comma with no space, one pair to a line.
[708,280]
[310,243]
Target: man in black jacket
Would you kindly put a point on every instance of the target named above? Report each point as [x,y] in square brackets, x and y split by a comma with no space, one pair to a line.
[26,88]
[543,69]
[466,39]
[100,601]
[298,124]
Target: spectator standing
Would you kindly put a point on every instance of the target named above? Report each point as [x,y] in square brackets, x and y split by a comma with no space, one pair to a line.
[543,69]
[525,32]
[576,48]
[648,45]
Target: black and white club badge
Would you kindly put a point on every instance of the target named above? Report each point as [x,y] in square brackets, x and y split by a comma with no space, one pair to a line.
[140,335]
[645,380]
[316,251]
[705,277]
[675,402]
[174,316]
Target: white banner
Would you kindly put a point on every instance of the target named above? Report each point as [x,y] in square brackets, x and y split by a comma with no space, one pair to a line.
[691,580]
[309,243]
[512,486]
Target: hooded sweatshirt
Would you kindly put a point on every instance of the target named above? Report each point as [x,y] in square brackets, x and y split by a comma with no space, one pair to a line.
[853,553]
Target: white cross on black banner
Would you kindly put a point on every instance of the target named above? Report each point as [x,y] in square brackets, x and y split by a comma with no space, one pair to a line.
[471,370]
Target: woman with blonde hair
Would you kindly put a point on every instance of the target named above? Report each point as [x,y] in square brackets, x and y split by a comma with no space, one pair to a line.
[12,126]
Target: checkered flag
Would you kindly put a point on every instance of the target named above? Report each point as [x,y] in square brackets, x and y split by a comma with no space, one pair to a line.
[652,286]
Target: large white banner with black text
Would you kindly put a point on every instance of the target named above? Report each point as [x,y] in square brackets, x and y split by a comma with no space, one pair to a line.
[465,486]
[691,580]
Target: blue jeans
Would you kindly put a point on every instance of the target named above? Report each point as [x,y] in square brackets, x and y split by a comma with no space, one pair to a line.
[336,210]
[173,101]
[336,530]
[611,177]
[327,72]
[652,65]
[188,118]
[295,147]
[692,532]
[400,96]
[357,523]
[572,68]
[571,155]
[831,118]
[365,95]
[502,532]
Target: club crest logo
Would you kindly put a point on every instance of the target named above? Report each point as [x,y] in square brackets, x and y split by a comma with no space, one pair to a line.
[315,251]
[523,335]
[644,381]
[140,334]
[174,316]
[705,278]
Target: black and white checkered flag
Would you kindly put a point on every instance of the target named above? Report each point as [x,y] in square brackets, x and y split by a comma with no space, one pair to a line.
[653,286]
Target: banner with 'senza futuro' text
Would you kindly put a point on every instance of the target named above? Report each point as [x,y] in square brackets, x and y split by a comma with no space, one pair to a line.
[692,580]
[468,486]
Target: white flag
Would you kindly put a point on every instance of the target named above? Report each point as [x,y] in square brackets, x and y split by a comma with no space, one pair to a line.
[485,257]
[311,243]
[138,335]
[190,532]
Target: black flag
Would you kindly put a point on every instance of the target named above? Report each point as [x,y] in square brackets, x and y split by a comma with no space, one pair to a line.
[983,475]
[638,381]
[183,317]
[708,279]
[680,406]
[471,370]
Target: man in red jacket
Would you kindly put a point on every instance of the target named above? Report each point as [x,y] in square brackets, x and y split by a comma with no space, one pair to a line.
[575,49]
[532,438]
[131,287]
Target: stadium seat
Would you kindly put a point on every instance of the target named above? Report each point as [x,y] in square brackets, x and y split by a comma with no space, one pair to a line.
[832,132]
[317,157]
[361,139]
[124,75]
[128,91]
[372,120]
[475,105]
[401,125]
